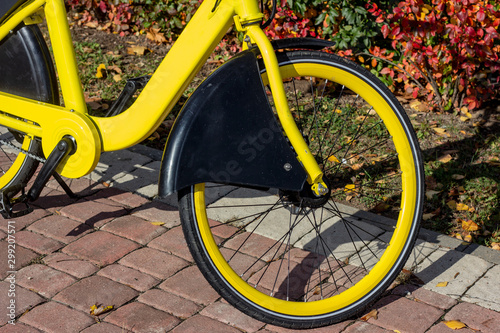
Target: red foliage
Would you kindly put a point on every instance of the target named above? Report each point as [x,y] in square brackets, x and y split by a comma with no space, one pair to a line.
[453,46]
[287,24]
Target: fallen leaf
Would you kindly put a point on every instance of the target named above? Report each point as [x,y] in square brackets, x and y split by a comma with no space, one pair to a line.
[349,188]
[495,246]
[430,193]
[442,284]
[115,68]
[419,106]
[372,314]
[101,71]
[439,130]
[452,204]
[333,159]
[117,78]
[156,36]
[454,324]
[427,216]
[464,119]
[457,177]
[470,225]
[96,310]
[357,166]
[92,24]
[468,239]
[137,50]
[461,206]
[94,105]
[445,158]
[157,223]
[381,207]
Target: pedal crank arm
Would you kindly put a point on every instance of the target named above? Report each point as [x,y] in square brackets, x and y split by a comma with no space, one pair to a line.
[64,148]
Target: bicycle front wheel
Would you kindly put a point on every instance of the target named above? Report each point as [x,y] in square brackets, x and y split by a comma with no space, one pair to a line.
[297,260]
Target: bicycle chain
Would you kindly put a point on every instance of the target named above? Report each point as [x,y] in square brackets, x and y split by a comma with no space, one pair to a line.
[25,152]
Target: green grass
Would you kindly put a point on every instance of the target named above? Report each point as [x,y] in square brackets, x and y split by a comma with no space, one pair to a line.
[90,56]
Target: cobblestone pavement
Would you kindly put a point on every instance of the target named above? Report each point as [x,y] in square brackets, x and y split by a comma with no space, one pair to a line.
[102,249]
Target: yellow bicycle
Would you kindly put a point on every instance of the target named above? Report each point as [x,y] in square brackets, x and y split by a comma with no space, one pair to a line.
[299,176]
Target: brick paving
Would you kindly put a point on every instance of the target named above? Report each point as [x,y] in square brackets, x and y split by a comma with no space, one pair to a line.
[103,249]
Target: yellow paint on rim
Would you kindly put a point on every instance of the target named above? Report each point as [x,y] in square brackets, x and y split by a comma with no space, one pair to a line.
[14,168]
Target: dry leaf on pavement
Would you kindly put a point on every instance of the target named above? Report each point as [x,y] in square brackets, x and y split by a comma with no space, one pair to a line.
[96,310]
[157,223]
[372,314]
[454,324]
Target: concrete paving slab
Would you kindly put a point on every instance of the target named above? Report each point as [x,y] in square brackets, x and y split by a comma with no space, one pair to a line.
[457,270]
[485,292]
[244,207]
[113,163]
[484,252]
[421,250]
[343,238]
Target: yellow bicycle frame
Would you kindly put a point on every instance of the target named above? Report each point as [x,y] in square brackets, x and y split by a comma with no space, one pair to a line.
[95,134]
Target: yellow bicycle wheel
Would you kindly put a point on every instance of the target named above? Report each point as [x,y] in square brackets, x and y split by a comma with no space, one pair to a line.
[297,260]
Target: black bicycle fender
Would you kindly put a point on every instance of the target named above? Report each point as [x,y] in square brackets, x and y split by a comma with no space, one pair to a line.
[301,43]
[26,67]
[7,7]
[227,133]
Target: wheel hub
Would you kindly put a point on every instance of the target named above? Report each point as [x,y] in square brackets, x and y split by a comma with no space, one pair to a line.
[306,197]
